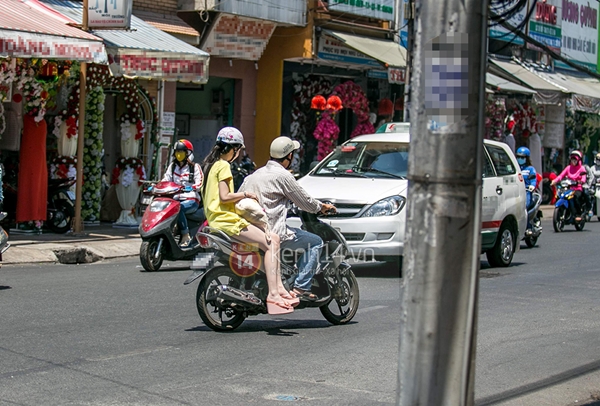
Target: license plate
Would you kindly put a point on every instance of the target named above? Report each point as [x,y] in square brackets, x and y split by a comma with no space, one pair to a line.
[71,195]
[146,200]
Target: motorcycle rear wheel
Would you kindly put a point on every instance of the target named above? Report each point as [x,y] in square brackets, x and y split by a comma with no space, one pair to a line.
[214,317]
[151,262]
[579,226]
[558,219]
[60,216]
[345,298]
[531,241]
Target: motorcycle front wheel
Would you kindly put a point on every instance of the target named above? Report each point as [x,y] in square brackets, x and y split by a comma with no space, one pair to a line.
[213,315]
[558,219]
[150,257]
[60,216]
[344,298]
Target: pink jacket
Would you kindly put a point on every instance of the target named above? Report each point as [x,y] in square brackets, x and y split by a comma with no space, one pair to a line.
[576,173]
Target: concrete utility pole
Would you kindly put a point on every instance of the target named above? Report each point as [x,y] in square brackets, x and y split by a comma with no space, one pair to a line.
[442,250]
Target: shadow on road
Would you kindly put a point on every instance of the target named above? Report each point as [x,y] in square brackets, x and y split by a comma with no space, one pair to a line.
[374,269]
[539,385]
[275,326]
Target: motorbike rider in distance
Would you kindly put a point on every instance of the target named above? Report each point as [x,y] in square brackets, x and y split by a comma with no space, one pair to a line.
[528,172]
[188,174]
[275,186]
[575,171]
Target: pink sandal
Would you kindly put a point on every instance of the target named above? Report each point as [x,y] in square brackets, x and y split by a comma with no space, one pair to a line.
[274,307]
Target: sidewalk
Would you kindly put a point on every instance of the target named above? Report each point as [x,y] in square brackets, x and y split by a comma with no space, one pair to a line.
[95,243]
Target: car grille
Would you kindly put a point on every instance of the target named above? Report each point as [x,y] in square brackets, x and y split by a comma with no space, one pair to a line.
[347,210]
[354,236]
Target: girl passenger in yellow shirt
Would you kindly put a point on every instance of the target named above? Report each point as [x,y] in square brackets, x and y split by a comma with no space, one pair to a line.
[219,206]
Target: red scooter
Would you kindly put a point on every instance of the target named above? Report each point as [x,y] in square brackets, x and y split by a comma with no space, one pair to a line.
[160,232]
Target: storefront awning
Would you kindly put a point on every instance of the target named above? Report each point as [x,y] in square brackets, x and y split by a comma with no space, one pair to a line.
[29,29]
[385,51]
[499,84]
[144,51]
[526,76]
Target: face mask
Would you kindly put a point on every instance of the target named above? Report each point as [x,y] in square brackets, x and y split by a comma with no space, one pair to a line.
[180,156]
[521,161]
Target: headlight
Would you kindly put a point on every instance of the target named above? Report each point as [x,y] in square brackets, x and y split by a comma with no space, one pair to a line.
[386,207]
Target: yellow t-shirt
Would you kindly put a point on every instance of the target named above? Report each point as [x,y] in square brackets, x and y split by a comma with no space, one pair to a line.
[220,215]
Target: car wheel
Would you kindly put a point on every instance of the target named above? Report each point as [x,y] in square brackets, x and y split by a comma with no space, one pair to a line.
[501,254]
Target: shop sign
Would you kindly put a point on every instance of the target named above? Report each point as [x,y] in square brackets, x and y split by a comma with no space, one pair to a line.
[109,14]
[33,45]
[238,37]
[380,9]
[397,75]
[545,25]
[579,33]
[403,22]
[377,74]
[333,50]
[500,33]
[167,125]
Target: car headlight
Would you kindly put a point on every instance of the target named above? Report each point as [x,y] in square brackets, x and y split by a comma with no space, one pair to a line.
[386,207]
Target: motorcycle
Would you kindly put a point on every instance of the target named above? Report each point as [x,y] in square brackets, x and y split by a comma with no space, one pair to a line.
[548,191]
[160,232]
[562,209]
[534,216]
[233,286]
[61,205]
[4,244]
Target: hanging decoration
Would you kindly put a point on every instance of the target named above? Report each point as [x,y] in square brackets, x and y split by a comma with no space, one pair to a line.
[7,77]
[334,103]
[92,154]
[318,102]
[385,108]
[495,113]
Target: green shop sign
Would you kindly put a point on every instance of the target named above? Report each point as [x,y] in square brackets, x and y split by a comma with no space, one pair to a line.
[381,9]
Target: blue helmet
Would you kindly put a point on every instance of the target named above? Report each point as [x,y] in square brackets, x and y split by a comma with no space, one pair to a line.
[523,152]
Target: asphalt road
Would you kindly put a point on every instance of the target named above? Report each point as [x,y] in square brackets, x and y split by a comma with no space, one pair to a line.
[109,334]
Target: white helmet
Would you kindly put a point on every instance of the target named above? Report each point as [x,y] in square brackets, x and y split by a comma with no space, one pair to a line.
[230,135]
[282,146]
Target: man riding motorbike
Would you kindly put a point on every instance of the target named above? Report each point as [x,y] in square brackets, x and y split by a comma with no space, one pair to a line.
[575,171]
[186,173]
[275,186]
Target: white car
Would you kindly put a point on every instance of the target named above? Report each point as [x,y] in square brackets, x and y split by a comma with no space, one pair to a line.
[365,178]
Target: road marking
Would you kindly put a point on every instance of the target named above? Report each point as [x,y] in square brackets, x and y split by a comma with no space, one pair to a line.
[369,309]
[129,354]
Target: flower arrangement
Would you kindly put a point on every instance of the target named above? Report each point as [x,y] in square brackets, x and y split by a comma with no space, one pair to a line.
[305,88]
[353,97]
[92,155]
[33,94]
[129,167]
[326,133]
[495,113]
[63,167]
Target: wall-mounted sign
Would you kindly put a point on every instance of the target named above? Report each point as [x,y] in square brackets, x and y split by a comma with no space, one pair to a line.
[333,50]
[397,75]
[580,33]
[232,36]
[500,33]
[109,14]
[381,9]
[545,24]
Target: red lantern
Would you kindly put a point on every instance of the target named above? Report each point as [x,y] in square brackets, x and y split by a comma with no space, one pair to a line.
[334,103]
[17,98]
[318,103]
[386,107]
[399,104]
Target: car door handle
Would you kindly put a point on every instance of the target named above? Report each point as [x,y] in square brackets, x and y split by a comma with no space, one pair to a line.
[499,190]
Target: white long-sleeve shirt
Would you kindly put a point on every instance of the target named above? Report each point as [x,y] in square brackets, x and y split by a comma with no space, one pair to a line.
[275,188]
[181,176]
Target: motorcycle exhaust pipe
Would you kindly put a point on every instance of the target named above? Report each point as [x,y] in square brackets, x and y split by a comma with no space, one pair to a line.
[235,297]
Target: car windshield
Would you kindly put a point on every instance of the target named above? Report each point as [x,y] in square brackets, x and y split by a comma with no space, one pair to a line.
[367,159]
